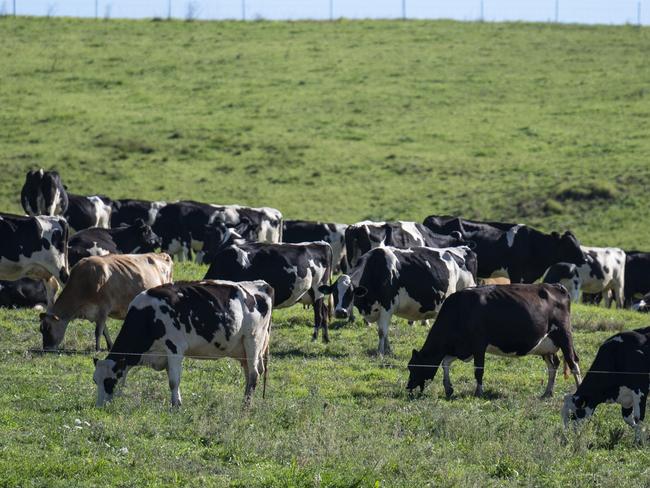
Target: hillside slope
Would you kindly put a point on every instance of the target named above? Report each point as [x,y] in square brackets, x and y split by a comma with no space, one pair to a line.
[536,123]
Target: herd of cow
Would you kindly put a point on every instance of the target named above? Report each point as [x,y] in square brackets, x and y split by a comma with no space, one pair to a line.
[102,252]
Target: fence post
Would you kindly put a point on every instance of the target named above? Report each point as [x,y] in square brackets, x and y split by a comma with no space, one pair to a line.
[557,11]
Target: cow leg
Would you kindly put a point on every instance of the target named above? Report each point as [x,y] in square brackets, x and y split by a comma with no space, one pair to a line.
[51,288]
[252,367]
[324,322]
[479,369]
[552,362]
[174,363]
[446,379]
[382,328]
[565,344]
[100,329]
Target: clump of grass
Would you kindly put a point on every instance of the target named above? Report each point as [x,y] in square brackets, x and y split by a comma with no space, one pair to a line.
[587,191]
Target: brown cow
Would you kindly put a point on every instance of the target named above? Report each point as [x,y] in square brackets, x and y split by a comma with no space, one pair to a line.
[100,287]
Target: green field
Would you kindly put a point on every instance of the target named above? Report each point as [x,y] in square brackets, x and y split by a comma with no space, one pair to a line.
[535,123]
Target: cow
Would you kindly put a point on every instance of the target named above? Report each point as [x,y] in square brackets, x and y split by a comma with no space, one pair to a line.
[34,247]
[637,275]
[181,225]
[43,193]
[100,287]
[508,320]
[85,212]
[604,270]
[515,251]
[296,231]
[566,274]
[295,271]
[619,374]
[208,320]
[642,305]
[127,211]
[23,293]
[410,283]
[364,236]
[137,238]
[217,236]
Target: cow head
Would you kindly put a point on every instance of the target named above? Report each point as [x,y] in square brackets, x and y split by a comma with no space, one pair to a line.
[343,291]
[568,249]
[217,236]
[419,371]
[107,373]
[146,237]
[53,330]
[575,409]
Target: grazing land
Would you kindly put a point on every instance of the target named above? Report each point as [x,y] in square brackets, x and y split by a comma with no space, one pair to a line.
[343,121]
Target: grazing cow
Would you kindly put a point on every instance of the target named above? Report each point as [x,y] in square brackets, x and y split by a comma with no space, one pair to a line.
[604,270]
[364,236]
[43,194]
[566,274]
[128,239]
[102,287]
[508,320]
[643,305]
[637,275]
[34,247]
[296,231]
[515,251]
[207,319]
[23,293]
[181,225]
[295,271]
[410,283]
[85,212]
[619,374]
[127,211]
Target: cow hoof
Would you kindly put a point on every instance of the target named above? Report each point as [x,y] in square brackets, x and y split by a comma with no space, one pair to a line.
[449,393]
[326,340]
[547,394]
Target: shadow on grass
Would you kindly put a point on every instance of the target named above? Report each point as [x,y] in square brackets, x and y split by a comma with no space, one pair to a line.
[296,352]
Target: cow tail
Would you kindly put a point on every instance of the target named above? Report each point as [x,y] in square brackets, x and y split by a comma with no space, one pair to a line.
[566,368]
[267,356]
[66,237]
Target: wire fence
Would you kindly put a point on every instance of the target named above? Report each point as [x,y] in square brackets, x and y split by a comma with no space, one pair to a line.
[568,11]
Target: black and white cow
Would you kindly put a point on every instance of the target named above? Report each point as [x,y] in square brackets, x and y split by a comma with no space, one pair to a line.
[619,374]
[181,225]
[43,193]
[410,283]
[127,211]
[364,236]
[604,270]
[637,275]
[207,320]
[566,274]
[217,237]
[296,231]
[295,271]
[128,239]
[507,320]
[85,212]
[642,304]
[514,251]
[23,293]
[34,247]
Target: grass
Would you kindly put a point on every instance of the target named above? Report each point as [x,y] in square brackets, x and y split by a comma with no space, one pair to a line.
[536,123]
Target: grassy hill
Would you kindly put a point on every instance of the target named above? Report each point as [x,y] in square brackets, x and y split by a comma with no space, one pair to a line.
[535,123]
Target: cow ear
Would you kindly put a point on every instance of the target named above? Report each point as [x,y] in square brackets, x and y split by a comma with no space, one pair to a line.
[360,291]
[325,289]
[95,361]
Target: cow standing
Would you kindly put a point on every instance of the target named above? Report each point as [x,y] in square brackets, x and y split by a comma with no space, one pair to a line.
[34,247]
[207,320]
[364,236]
[102,287]
[507,320]
[127,211]
[295,271]
[619,374]
[85,212]
[43,193]
[514,251]
[409,283]
[128,239]
[637,275]
[297,231]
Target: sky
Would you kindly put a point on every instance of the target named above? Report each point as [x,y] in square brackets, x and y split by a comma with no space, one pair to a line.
[572,11]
